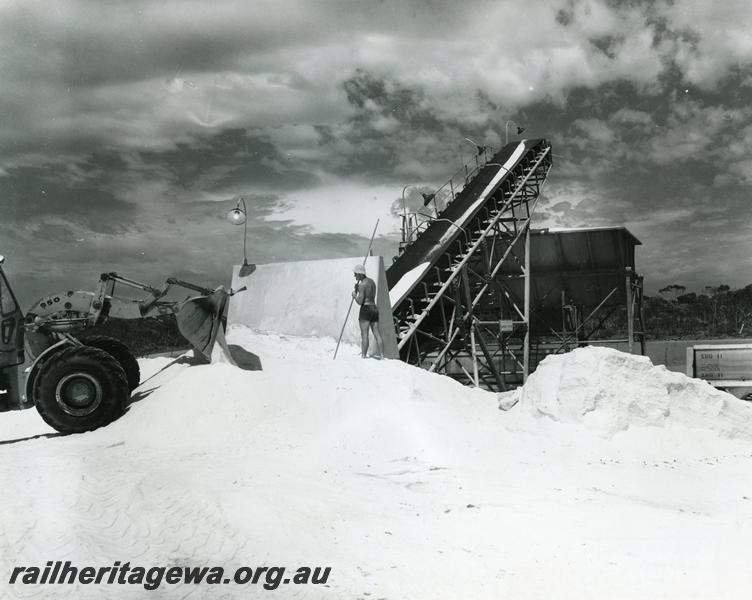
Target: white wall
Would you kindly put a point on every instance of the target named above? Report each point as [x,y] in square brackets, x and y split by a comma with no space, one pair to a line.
[310,298]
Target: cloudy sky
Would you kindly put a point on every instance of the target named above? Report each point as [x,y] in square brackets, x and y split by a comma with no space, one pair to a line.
[129,128]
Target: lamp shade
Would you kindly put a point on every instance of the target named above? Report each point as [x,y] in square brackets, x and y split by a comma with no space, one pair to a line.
[427,198]
[236,216]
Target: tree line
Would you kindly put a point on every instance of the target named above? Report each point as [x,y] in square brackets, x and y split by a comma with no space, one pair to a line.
[715,312]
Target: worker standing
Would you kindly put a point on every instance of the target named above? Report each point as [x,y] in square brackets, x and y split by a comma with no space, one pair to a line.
[368,316]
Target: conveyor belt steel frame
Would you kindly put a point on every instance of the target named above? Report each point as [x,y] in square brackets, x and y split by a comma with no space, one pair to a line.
[473,268]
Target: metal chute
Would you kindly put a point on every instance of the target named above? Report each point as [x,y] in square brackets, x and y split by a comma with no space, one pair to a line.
[201,321]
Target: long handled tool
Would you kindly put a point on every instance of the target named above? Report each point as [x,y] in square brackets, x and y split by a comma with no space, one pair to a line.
[349,308]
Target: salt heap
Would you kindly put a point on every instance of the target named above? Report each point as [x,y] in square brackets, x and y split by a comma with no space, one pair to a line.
[406,483]
[609,391]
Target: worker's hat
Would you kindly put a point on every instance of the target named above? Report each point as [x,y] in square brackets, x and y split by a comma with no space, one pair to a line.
[359,269]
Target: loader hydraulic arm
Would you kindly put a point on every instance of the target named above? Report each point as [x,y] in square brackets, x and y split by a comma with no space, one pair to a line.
[190,286]
[115,307]
[56,316]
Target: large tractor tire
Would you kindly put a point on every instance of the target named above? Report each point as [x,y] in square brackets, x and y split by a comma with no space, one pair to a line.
[82,389]
[31,378]
[120,353]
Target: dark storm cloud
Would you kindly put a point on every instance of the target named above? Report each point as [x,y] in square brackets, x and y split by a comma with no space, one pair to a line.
[393,126]
[29,194]
[90,191]
[130,128]
[92,43]
[231,157]
[74,213]
[372,94]
[258,207]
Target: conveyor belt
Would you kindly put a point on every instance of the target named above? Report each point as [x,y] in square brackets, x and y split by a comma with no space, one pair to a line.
[441,234]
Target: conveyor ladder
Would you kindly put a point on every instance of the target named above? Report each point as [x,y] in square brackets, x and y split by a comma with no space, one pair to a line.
[457,316]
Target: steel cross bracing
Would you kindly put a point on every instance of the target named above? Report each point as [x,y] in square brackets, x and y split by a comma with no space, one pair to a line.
[569,338]
[460,318]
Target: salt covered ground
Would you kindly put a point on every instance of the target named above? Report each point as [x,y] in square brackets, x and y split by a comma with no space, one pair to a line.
[607,478]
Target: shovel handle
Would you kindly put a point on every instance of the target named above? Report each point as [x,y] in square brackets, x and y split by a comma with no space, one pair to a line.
[349,308]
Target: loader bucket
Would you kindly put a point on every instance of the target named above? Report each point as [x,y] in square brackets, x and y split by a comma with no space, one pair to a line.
[200,320]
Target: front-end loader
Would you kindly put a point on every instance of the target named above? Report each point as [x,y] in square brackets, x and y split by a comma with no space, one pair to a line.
[80,382]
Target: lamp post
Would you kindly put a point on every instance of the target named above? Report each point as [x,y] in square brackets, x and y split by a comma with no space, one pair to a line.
[481,148]
[239,216]
[406,230]
[428,198]
[441,219]
[506,130]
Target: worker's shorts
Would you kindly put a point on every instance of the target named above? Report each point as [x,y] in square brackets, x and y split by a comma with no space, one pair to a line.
[369,312]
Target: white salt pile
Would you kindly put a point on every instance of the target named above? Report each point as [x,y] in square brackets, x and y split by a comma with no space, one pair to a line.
[407,484]
[609,391]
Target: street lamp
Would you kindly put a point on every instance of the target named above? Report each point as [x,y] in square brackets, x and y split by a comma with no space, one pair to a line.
[428,198]
[404,214]
[239,216]
[441,219]
[506,130]
[406,229]
[480,148]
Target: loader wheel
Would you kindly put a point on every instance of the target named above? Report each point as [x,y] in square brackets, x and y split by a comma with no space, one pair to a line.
[120,353]
[82,389]
[33,376]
